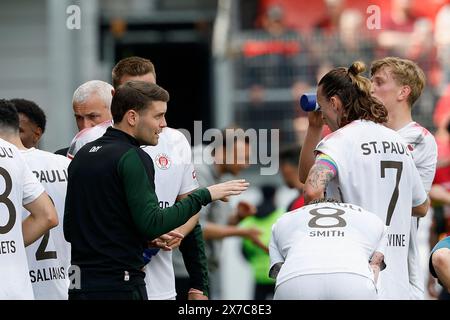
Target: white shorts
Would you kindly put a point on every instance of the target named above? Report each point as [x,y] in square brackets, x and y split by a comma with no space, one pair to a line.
[327,286]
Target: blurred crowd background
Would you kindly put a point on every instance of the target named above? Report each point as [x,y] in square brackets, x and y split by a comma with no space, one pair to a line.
[224,62]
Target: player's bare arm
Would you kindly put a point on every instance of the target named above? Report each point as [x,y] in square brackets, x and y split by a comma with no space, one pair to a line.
[318,178]
[43,217]
[313,136]
[421,210]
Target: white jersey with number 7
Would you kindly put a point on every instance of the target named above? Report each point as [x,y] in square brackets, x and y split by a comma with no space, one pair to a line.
[375,170]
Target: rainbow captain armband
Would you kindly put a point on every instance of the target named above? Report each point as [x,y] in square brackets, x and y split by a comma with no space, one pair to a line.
[148,254]
[327,161]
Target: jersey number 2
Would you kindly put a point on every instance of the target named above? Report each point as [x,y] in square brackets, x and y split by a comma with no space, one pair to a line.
[399,167]
[41,254]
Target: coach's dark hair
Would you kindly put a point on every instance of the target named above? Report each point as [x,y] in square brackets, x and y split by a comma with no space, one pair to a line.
[9,118]
[132,66]
[135,95]
[354,92]
[32,111]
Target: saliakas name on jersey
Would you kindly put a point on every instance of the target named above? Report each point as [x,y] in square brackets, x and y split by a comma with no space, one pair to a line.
[383,147]
[7,247]
[47,274]
[51,176]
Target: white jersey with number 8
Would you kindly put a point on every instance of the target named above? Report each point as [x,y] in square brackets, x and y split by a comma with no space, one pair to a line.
[376,171]
[18,186]
[326,238]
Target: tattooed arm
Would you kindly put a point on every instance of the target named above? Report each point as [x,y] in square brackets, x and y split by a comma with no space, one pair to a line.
[321,173]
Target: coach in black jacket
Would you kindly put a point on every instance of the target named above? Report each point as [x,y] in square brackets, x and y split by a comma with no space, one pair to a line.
[111,206]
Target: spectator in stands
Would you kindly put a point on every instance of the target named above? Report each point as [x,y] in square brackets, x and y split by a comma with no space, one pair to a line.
[442,42]
[271,55]
[397,27]
[274,59]
[329,23]
[352,42]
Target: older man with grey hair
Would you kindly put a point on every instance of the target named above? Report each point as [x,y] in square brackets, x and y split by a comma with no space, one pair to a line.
[91,105]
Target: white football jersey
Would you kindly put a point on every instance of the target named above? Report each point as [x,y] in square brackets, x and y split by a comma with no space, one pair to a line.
[326,238]
[424,152]
[423,147]
[49,256]
[377,172]
[174,175]
[87,135]
[18,187]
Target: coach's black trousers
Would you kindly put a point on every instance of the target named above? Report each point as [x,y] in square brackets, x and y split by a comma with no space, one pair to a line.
[129,293]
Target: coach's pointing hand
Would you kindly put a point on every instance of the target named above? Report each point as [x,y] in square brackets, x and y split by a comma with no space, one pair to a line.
[223,190]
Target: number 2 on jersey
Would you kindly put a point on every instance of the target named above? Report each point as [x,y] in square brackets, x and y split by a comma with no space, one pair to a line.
[397,165]
[41,254]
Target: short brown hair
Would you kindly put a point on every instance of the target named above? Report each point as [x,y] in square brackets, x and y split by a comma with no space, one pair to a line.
[354,92]
[405,72]
[135,95]
[133,66]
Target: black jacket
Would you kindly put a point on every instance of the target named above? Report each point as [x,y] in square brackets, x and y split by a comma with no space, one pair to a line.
[111,210]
